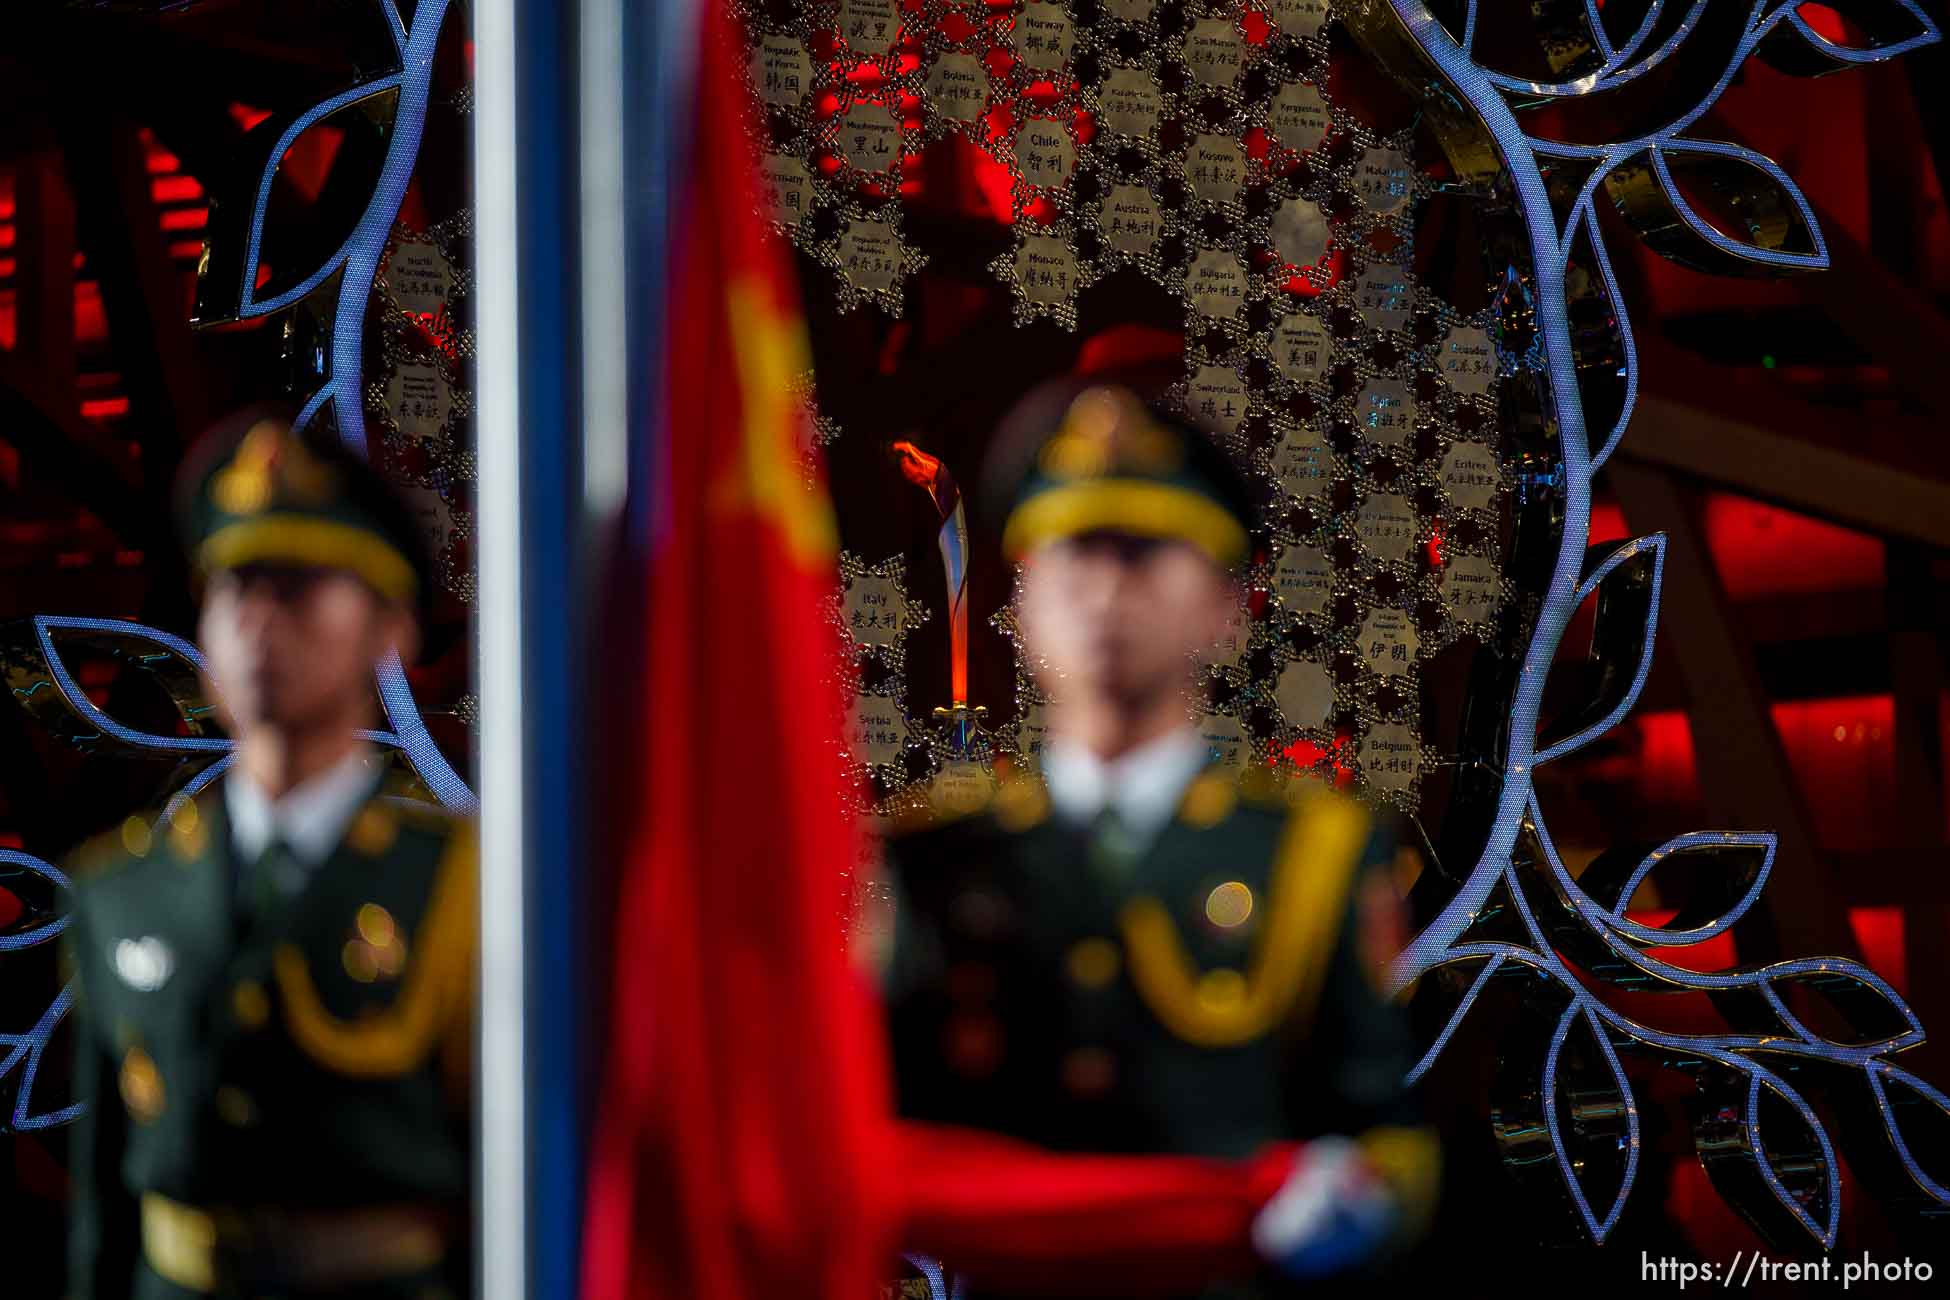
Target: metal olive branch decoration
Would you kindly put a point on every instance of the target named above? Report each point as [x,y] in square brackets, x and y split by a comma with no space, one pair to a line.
[385,114]
[1572,1121]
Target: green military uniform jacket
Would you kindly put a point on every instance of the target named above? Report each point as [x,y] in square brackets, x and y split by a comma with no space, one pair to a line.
[313,1059]
[1207,998]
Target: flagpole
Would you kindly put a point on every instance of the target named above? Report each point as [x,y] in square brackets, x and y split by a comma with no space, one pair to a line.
[606,285]
[501,1218]
[531,633]
[663,37]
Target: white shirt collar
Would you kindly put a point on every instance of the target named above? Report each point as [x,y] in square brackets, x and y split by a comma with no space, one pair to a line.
[1145,783]
[311,816]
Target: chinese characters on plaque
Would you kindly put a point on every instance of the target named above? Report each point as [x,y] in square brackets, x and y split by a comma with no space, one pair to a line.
[417,396]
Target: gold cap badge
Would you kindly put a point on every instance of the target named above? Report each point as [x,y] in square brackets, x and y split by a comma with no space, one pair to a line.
[142,1086]
[269,457]
[1107,427]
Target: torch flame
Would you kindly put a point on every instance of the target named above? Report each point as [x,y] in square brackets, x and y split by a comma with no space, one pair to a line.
[930,475]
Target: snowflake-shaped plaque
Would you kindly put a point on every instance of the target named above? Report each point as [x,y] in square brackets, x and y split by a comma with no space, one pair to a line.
[869,258]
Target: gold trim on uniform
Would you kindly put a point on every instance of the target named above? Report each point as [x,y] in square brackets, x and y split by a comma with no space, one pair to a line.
[250,1004]
[304,539]
[189,836]
[137,838]
[1143,506]
[235,1106]
[1093,963]
[1325,835]
[1222,990]
[438,987]
[1020,803]
[180,1243]
[141,1086]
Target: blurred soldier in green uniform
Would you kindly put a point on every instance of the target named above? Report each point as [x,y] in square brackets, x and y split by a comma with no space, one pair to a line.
[276,978]
[1134,952]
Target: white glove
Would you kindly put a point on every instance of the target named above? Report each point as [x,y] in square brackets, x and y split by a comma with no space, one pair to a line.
[1332,1213]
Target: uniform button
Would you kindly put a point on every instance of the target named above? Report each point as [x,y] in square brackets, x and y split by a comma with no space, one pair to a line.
[250,1004]
[376,950]
[1228,905]
[1089,1071]
[137,837]
[973,1044]
[1093,963]
[235,1106]
[144,964]
[141,1086]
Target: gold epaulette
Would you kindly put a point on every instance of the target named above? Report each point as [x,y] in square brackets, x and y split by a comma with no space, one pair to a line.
[1208,799]
[94,856]
[180,837]
[1263,787]
[923,814]
[423,813]
[1269,788]
[1017,801]
[377,825]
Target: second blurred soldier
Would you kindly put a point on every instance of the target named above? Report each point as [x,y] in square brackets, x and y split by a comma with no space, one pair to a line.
[1136,955]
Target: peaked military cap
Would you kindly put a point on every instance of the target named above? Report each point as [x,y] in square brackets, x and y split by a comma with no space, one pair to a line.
[1082,455]
[256,491]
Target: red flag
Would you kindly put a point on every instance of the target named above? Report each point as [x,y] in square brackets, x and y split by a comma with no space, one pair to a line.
[740,1136]
[745,1145]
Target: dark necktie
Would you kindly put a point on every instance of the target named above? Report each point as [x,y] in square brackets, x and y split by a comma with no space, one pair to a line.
[1114,846]
[263,883]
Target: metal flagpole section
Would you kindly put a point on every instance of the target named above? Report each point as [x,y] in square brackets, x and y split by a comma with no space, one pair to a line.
[532,633]
[664,80]
[577,110]
[606,121]
[501,1223]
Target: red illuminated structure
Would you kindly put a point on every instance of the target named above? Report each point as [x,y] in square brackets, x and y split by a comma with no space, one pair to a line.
[1791,446]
